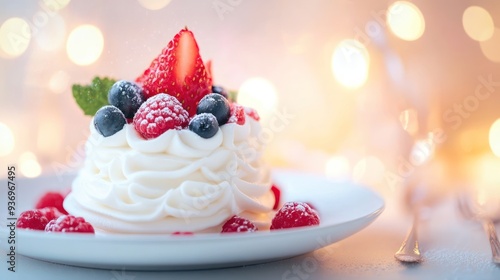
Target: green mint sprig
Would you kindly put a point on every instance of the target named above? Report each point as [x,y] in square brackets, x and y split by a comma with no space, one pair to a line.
[92,97]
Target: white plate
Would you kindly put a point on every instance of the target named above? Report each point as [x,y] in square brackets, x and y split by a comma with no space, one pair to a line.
[344,208]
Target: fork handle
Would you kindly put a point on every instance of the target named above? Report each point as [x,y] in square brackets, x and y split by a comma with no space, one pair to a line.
[409,251]
[489,227]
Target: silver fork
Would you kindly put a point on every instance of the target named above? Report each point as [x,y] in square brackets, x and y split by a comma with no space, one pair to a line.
[409,251]
[467,210]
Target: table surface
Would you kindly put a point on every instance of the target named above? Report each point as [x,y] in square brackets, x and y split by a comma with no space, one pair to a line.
[453,248]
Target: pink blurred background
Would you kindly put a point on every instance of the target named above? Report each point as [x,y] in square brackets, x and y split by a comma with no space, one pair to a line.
[370,84]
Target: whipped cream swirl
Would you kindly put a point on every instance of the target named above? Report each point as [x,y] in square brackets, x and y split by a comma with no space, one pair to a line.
[177,182]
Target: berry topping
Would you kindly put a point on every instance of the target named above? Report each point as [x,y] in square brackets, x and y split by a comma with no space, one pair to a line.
[252,113]
[295,214]
[109,120]
[208,67]
[159,114]
[68,223]
[277,194]
[205,125]
[237,114]
[220,90]
[126,96]
[217,105]
[238,224]
[51,213]
[178,71]
[51,199]
[32,219]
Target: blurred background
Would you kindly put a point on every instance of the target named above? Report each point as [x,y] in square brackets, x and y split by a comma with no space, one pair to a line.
[373,91]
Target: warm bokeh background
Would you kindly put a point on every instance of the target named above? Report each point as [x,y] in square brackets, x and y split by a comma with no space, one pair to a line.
[372,85]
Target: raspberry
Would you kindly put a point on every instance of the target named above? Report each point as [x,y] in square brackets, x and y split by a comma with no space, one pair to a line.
[51,199]
[237,114]
[238,224]
[277,194]
[32,219]
[252,113]
[68,223]
[295,214]
[51,213]
[159,114]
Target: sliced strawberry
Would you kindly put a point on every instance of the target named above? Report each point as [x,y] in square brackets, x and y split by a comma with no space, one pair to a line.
[178,71]
[208,66]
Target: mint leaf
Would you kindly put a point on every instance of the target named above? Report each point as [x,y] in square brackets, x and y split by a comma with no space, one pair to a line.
[92,97]
[232,94]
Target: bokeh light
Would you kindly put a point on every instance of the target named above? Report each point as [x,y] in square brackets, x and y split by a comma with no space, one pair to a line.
[421,152]
[409,121]
[405,20]
[154,4]
[260,94]
[478,23]
[51,36]
[494,137]
[50,134]
[369,170]
[85,44]
[491,47]
[350,63]
[29,166]
[7,142]
[59,82]
[56,5]
[337,167]
[15,36]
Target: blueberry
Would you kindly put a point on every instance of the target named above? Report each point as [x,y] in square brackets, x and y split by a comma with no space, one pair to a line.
[216,105]
[126,96]
[220,90]
[204,124]
[109,120]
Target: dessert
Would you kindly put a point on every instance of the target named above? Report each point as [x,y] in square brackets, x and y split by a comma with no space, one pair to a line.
[170,152]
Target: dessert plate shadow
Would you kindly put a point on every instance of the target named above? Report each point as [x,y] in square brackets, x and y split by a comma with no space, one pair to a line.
[344,207]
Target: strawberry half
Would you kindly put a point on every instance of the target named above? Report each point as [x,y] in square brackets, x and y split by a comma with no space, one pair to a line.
[178,71]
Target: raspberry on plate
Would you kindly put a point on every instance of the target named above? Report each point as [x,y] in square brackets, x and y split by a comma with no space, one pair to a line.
[51,199]
[51,213]
[178,71]
[68,223]
[32,219]
[295,214]
[238,224]
[159,114]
